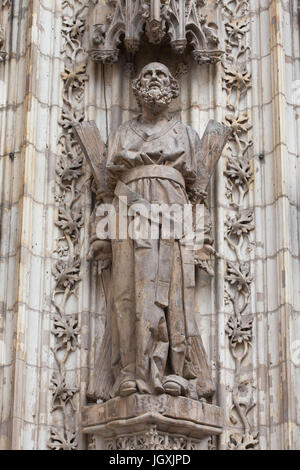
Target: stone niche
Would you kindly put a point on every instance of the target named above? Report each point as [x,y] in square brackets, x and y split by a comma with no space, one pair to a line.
[184,37]
[146,422]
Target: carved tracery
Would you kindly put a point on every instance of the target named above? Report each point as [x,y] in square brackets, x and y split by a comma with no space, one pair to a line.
[181,22]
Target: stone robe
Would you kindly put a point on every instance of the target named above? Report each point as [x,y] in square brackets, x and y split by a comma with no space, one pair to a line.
[151,324]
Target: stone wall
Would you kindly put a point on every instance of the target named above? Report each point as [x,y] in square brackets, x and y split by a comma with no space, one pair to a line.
[248,313]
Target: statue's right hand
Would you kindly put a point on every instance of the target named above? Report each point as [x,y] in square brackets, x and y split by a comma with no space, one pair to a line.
[99,250]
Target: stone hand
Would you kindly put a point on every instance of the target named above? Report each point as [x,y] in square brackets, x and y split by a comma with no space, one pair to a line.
[99,249]
[204,253]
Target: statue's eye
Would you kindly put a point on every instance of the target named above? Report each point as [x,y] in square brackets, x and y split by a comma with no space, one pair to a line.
[148,75]
[161,74]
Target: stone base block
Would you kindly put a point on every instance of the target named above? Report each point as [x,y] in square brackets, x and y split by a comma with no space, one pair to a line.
[152,422]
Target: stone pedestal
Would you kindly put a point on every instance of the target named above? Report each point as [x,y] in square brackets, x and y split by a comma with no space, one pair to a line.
[145,422]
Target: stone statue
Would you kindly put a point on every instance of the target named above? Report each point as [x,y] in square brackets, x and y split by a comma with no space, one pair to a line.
[151,344]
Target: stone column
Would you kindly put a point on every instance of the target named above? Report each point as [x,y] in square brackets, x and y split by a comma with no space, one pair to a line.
[275,110]
[30,104]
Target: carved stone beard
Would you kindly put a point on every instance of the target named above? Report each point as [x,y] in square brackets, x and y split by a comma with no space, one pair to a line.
[156,98]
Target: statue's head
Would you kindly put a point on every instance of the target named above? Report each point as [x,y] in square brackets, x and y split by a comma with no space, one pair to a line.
[155,87]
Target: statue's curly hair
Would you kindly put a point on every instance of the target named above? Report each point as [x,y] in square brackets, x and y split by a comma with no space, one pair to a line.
[174,87]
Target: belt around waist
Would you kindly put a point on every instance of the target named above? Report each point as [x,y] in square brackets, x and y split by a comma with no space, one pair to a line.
[153,171]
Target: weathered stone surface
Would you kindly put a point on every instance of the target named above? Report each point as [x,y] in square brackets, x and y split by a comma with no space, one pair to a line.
[137,415]
[160,20]
[123,408]
[260,394]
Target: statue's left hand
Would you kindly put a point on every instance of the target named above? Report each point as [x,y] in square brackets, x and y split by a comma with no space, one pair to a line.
[99,250]
[204,258]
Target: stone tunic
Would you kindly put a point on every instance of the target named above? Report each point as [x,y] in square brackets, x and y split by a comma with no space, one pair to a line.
[176,146]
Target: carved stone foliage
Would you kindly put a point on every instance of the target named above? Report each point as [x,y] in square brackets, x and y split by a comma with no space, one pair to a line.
[5,6]
[181,22]
[239,223]
[151,439]
[68,441]
[2,39]
[92,443]
[66,270]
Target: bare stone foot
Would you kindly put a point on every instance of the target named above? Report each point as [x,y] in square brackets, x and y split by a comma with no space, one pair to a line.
[127,388]
[172,388]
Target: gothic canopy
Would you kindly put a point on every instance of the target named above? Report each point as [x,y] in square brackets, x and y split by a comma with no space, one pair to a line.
[187,24]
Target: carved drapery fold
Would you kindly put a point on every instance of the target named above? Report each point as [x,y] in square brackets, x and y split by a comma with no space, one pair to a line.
[182,22]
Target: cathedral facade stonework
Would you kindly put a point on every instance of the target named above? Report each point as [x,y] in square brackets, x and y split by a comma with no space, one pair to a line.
[149,244]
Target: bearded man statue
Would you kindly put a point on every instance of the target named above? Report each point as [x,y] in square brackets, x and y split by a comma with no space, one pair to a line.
[152,344]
